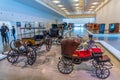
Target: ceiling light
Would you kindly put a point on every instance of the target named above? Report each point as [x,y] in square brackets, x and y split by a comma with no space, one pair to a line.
[63,8]
[90,9]
[67,12]
[77,7]
[76,4]
[56,1]
[92,6]
[95,3]
[60,5]
[76,0]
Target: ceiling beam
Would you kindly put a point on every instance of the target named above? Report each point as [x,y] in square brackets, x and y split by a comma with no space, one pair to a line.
[81,16]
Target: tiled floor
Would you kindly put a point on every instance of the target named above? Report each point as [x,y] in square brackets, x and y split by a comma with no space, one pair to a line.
[45,68]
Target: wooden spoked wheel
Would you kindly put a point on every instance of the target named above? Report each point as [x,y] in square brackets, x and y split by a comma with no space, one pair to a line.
[65,66]
[102,72]
[12,56]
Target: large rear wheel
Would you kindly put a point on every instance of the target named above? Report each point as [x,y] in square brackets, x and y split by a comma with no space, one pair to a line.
[102,73]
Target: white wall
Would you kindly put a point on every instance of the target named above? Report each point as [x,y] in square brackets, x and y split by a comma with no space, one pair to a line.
[110,13]
[12,11]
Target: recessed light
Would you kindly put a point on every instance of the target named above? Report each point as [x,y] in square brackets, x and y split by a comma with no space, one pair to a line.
[63,8]
[56,1]
[95,3]
[60,5]
[90,9]
[92,6]
[76,4]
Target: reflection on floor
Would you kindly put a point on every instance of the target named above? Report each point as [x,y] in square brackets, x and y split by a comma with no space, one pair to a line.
[113,38]
[45,68]
[5,47]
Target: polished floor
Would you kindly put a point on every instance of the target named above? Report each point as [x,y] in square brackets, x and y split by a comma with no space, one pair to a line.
[45,68]
[112,39]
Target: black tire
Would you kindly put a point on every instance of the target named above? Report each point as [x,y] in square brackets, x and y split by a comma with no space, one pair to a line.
[12,56]
[102,73]
[31,56]
[48,44]
[65,66]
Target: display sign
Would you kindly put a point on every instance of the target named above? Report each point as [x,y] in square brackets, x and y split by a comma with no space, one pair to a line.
[18,24]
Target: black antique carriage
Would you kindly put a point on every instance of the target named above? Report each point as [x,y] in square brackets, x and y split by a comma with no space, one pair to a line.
[28,45]
[71,56]
[54,33]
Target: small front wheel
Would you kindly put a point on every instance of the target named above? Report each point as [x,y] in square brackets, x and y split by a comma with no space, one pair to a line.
[102,73]
[65,66]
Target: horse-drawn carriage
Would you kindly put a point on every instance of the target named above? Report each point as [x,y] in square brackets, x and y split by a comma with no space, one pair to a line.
[71,56]
[34,38]
[28,45]
[21,49]
[56,33]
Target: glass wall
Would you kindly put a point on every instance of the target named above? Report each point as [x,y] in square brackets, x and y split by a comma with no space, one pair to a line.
[79,21]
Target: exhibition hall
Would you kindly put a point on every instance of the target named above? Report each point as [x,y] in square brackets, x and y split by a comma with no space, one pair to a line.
[59,40]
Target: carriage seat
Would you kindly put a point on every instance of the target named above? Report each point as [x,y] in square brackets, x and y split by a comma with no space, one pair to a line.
[104,58]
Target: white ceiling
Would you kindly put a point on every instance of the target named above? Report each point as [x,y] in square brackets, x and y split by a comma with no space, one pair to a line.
[69,7]
[78,6]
